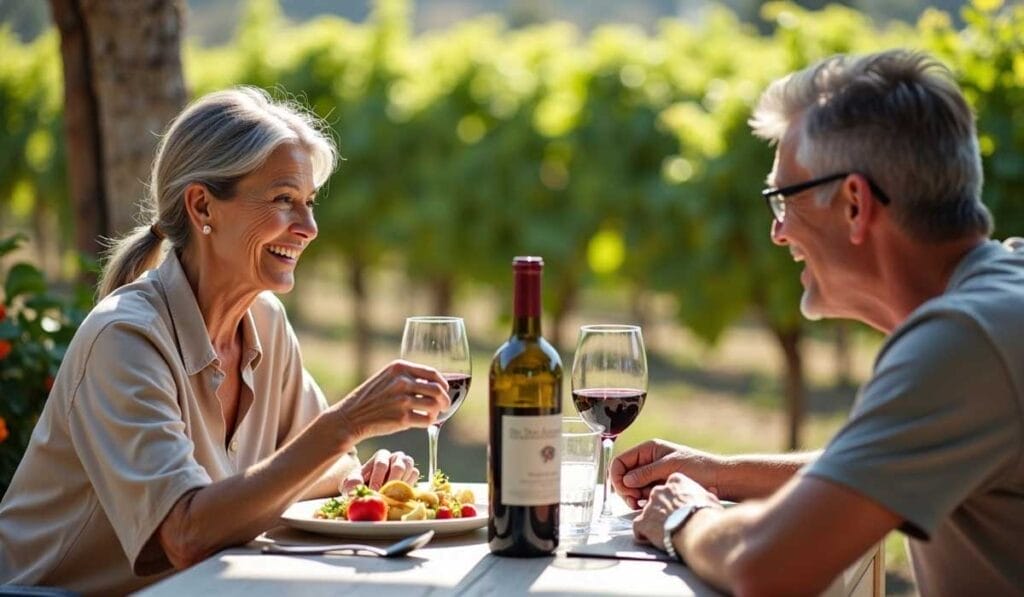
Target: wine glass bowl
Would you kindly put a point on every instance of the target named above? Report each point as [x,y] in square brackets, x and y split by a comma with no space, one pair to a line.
[609,388]
[441,343]
[609,411]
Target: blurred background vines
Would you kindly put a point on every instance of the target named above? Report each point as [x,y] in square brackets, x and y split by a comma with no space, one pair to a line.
[620,153]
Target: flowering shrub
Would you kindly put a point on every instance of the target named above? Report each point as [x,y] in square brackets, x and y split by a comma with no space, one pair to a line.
[35,329]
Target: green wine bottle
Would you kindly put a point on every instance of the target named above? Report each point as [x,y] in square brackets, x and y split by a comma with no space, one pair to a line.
[523,452]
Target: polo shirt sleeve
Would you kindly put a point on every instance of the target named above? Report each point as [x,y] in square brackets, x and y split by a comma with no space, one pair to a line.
[129,433]
[933,424]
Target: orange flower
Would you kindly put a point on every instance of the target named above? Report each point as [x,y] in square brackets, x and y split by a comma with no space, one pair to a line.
[5,349]
[3,430]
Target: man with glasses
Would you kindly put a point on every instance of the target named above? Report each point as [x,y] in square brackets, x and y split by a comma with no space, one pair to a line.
[876,189]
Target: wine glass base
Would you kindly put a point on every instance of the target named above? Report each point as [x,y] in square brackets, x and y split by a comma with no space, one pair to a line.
[612,525]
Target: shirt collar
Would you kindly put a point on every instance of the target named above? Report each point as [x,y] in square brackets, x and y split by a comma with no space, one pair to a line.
[252,350]
[193,341]
[189,325]
[978,254]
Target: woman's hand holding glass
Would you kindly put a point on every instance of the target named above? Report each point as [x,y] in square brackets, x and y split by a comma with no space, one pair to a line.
[442,343]
[399,396]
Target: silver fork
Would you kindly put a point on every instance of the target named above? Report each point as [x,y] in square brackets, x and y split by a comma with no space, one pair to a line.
[397,549]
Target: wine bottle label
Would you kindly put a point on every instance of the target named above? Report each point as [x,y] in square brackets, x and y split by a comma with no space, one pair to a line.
[530,460]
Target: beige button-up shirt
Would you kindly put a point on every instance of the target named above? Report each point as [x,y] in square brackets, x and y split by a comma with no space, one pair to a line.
[132,423]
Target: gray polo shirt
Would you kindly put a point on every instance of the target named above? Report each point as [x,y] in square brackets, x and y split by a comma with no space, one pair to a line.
[937,434]
[132,423]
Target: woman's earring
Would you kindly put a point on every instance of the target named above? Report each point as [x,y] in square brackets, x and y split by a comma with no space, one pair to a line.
[207,229]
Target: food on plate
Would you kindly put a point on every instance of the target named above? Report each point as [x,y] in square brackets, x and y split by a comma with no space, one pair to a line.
[398,491]
[366,505]
[418,512]
[397,500]
[333,508]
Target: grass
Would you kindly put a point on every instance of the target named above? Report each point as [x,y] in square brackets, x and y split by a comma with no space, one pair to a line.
[725,399]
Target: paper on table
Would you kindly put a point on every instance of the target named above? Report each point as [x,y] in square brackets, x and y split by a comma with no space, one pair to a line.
[618,547]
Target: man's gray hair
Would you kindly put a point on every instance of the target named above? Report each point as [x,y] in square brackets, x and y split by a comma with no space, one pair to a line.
[896,117]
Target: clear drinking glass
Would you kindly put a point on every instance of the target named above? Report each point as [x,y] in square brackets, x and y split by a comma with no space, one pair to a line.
[441,343]
[609,388]
[581,457]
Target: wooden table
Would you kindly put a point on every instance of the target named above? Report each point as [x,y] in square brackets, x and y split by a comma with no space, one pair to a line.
[459,565]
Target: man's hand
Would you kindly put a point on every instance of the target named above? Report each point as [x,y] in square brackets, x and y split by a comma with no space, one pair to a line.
[637,470]
[382,467]
[678,491]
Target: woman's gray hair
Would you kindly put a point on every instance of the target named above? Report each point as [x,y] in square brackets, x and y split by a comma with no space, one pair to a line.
[216,141]
[897,117]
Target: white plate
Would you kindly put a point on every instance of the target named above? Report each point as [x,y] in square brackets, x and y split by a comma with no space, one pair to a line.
[300,516]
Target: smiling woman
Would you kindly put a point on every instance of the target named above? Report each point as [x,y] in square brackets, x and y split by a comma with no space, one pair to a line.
[270,219]
[182,419]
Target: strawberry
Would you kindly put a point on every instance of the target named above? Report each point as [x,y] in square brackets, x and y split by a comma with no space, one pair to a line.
[468,511]
[366,505]
[444,512]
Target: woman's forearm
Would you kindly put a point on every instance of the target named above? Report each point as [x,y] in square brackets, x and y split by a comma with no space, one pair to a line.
[232,511]
[328,484]
[238,508]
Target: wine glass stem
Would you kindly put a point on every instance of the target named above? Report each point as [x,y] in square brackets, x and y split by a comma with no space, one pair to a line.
[607,444]
[432,432]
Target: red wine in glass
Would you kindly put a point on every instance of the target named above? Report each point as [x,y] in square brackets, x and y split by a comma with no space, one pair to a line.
[458,389]
[609,389]
[610,409]
[441,343]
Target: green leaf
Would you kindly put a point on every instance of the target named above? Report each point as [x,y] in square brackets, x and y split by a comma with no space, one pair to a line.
[11,243]
[44,302]
[24,279]
[8,330]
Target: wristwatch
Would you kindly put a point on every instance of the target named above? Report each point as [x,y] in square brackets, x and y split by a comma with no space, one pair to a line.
[676,521]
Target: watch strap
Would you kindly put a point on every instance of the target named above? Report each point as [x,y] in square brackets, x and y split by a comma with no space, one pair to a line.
[676,521]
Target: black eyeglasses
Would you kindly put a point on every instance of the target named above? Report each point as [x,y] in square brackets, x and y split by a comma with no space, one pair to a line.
[776,196]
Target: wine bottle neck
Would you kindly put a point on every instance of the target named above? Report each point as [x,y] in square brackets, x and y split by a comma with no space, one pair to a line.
[526,327]
[526,305]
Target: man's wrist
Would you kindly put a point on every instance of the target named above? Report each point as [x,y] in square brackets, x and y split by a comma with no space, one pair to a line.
[676,522]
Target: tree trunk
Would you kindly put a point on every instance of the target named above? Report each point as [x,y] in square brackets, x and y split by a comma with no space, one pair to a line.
[135,51]
[639,307]
[442,289]
[360,315]
[81,125]
[843,355]
[796,391]
[46,248]
[123,83]
[565,303]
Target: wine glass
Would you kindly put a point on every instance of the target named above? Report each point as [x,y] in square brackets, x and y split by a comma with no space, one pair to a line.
[609,388]
[441,343]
